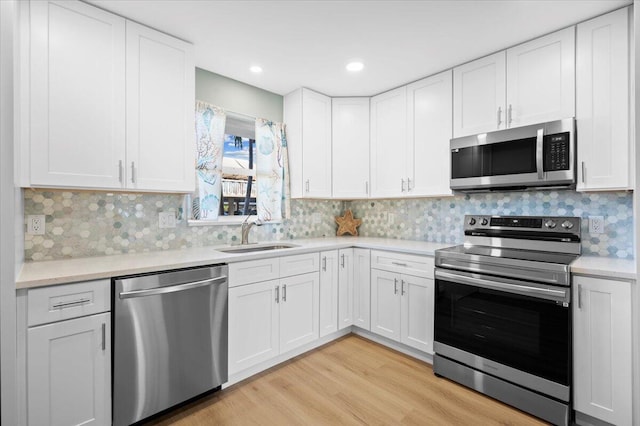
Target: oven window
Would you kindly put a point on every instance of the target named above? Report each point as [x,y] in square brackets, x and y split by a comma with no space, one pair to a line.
[525,333]
[505,158]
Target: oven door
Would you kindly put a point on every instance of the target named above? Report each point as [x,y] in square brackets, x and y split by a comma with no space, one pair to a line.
[518,331]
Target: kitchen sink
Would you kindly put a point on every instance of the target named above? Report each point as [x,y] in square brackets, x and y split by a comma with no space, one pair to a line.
[256,248]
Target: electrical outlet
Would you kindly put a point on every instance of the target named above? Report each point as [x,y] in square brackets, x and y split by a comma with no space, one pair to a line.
[316,218]
[35,224]
[167,220]
[596,224]
[391,218]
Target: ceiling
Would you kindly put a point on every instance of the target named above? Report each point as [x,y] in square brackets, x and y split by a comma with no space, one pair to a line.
[308,43]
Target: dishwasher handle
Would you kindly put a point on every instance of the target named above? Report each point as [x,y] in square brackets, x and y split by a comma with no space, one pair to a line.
[171,289]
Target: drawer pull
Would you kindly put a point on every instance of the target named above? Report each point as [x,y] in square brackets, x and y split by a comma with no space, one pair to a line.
[399,264]
[70,304]
[104,336]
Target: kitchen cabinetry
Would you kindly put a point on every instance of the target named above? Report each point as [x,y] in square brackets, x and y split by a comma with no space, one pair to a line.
[329,285]
[362,288]
[267,318]
[346,284]
[111,102]
[429,131]
[69,361]
[602,102]
[530,83]
[308,118]
[389,144]
[350,144]
[402,305]
[602,365]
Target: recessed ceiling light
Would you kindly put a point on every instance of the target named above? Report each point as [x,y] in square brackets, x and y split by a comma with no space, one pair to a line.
[256,69]
[355,66]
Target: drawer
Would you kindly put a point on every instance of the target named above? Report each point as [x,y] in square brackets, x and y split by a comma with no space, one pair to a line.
[61,302]
[299,264]
[253,271]
[420,266]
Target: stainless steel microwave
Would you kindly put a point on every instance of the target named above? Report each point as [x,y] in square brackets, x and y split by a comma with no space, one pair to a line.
[540,155]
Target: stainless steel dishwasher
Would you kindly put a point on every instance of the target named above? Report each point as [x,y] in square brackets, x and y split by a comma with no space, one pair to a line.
[169,339]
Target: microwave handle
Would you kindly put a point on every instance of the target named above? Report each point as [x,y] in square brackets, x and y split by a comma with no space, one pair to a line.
[539,153]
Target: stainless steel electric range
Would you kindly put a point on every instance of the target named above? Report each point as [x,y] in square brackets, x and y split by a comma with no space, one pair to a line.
[502,311]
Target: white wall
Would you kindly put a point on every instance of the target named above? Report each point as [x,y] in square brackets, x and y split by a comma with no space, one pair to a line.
[8,221]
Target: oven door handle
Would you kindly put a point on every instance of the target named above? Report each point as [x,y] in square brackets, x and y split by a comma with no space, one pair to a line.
[540,153]
[509,286]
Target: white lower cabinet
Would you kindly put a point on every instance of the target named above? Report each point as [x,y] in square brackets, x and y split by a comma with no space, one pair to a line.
[361,285]
[602,365]
[329,297]
[268,318]
[69,372]
[346,302]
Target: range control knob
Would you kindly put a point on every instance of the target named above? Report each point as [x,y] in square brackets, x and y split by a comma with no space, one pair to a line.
[484,221]
[550,224]
[567,225]
[472,221]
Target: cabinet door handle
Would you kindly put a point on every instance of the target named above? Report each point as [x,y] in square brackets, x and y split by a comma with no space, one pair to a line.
[277,294]
[133,172]
[324,263]
[399,264]
[63,305]
[583,171]
[104,336]
[579,296]
[284,293]
[509,116]
[401,185]
[342,260]
[366,187]
[499,117]
[395,286]
[402,287]
[306,185]
[120,171]
[408,184]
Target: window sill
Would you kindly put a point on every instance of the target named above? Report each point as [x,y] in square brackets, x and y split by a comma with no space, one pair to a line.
[224,221]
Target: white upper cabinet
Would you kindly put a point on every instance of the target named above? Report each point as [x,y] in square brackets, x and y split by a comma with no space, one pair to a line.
[479,96]
[77,104]
[350,143]
[541,79]
[429,131]
[389,144]
[111,102]
[530,83]
[602,103]
[160,111]
[308,118]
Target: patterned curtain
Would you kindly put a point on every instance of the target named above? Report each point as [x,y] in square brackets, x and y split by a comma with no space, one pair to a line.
[210,122]
[272,162]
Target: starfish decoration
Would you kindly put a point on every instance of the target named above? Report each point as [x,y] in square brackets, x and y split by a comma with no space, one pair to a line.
[347,224]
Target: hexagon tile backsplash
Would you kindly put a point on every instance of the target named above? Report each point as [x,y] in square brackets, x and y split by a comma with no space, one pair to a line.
[80,224]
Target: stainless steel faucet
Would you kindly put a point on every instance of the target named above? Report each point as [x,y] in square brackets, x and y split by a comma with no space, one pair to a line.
[246,227]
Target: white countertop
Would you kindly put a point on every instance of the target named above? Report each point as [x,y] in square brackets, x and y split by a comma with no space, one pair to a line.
[36,274]
[43,273]
[605,267]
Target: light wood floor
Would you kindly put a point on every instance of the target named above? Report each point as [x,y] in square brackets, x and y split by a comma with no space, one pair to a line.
[351,381]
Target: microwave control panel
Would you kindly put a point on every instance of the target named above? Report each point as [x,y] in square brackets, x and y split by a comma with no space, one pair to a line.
[556,152]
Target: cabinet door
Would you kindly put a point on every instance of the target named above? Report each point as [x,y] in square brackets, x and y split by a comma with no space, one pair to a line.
[362,288]
[77,104]
[316,144]
[541,79]
[345,284]
[479,96]
[602,371]
[69,372]
[417,312]
[350,141]
[253,324]
[429,127]
[329,284]
[299,304]
[160,105]
[602,102]
[385,304]
[389,144]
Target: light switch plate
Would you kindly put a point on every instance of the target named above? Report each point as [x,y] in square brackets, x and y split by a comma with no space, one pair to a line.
[167,220]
